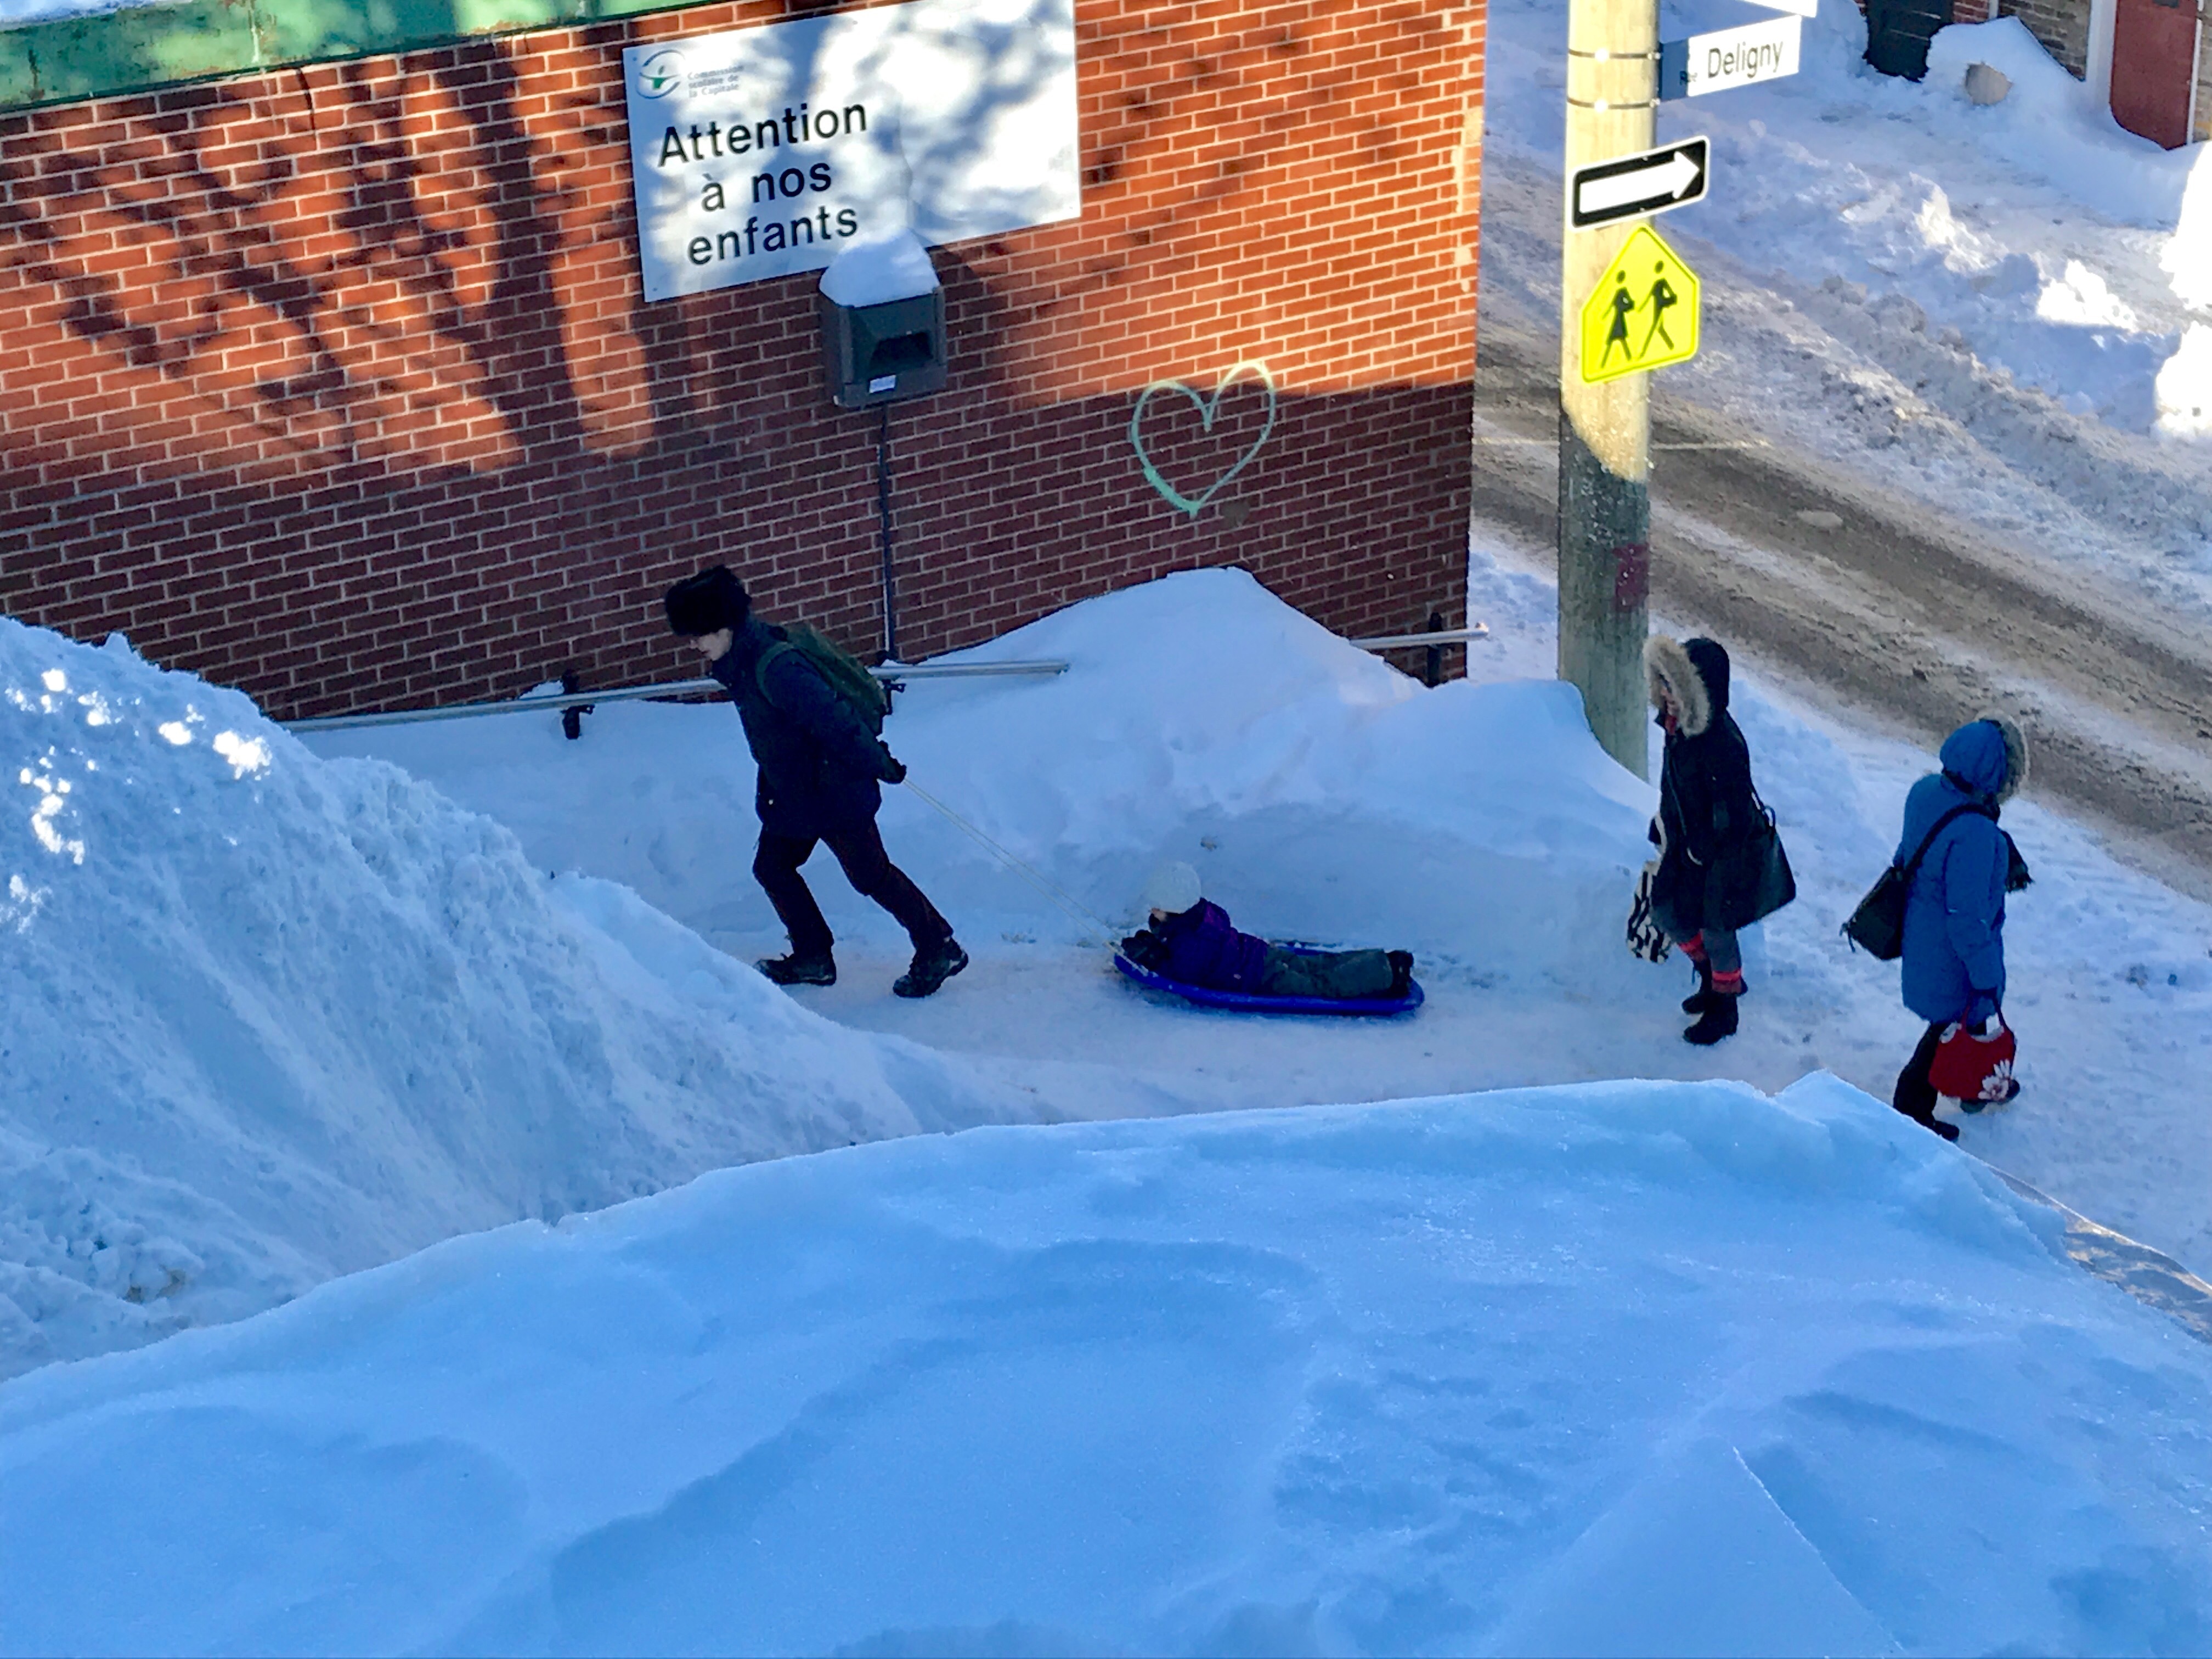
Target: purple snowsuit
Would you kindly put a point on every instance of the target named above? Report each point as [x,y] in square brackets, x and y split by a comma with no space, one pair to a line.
[1205,949]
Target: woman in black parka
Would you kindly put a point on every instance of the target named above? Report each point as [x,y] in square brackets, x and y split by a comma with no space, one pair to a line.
[1706,808]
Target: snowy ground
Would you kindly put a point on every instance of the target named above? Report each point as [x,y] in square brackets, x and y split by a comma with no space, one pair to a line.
[1606,1366]
[1630,1367]
[271,1019]
[1325,797]
[1611,1367]
[2005,312]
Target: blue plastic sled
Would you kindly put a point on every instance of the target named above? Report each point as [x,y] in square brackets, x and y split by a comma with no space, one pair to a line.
[1245,1003]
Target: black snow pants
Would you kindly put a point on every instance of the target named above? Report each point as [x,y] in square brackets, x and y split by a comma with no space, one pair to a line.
[1915,1095]
[860,851]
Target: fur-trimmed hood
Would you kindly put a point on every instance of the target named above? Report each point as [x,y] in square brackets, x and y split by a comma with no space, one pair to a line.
[1988,757]
[1695,673]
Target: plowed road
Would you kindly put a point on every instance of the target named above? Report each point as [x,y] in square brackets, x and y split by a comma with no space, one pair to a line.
[1919,619]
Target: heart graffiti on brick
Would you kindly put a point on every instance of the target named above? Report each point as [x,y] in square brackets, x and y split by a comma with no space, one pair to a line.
[1255,373]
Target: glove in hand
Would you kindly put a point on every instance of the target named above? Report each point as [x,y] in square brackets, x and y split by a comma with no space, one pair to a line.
[1144,947]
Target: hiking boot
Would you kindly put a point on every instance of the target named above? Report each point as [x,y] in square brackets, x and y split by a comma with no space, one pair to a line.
[931,968]
[1701,998]
[1949,1131]
[1718,1021]
[796,969]
[1401,973]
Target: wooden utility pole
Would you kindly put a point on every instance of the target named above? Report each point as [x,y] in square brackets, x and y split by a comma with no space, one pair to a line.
[1605,430]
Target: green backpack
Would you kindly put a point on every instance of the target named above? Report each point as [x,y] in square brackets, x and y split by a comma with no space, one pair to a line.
[852,684]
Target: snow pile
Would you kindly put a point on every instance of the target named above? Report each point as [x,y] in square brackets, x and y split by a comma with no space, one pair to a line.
[271,1019]
[1325,797]
[274,1018]
[2048,124]
[1937,224]
[2184,384]
[1627,1367]
[876,270]
[1321,793]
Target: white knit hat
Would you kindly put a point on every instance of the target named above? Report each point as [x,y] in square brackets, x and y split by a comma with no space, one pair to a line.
[1174,888]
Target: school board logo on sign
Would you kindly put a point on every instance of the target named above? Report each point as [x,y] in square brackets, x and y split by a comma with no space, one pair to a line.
[660,74]
[758,152]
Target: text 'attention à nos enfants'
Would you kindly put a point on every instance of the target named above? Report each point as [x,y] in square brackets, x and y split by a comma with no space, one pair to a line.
[773,185]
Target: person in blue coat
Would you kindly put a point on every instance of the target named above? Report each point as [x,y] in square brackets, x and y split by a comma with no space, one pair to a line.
[1954,965]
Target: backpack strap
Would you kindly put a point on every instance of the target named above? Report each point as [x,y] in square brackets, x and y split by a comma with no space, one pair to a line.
[775,652]
[1911,865]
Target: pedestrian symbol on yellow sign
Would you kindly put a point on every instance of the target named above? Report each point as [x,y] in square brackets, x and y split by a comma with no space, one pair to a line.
[1644,313]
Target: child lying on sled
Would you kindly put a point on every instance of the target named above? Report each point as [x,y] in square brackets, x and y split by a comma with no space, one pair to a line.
[1194,943]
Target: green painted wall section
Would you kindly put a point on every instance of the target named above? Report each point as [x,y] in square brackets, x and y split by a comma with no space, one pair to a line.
[137,50]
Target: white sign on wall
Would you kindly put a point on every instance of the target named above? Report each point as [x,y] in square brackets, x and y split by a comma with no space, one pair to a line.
[759,152]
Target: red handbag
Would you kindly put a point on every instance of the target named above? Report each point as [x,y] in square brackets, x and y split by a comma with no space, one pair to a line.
[1973,1068]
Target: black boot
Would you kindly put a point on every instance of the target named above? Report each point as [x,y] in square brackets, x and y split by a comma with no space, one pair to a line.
[1718,1021]
[931,968]
[796,969]
[1701,998]
[1401,972]
[1949,1131]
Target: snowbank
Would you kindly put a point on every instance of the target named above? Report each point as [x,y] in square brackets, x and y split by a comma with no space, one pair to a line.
[1321,793]
[1984,309]
[1629,1368]
[2051,125]
[1326,797]
[271,1019]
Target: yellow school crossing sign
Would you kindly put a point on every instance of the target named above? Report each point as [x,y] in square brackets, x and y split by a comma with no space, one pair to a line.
[1644,313]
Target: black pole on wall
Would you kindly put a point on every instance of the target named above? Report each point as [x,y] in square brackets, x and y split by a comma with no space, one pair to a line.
[884,512]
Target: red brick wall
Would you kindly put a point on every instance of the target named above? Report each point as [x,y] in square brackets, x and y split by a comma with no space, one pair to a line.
[337,383]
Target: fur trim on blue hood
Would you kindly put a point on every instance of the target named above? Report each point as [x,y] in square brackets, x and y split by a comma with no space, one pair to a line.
[1989,756]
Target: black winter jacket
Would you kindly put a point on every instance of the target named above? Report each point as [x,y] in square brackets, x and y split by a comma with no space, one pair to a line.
[1706,805]
[821,768]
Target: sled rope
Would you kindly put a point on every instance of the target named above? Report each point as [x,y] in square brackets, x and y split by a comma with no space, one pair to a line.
[1059,897]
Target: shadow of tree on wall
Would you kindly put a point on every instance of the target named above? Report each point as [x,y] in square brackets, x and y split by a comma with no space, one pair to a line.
[357,351]
[342,266]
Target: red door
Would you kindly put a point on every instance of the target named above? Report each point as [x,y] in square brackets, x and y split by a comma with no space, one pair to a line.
[2154,68]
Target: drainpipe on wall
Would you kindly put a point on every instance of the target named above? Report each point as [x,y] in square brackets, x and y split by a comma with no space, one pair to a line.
[2099,72]
[2196,80]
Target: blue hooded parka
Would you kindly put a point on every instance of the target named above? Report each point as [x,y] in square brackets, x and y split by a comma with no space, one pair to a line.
[1954,916]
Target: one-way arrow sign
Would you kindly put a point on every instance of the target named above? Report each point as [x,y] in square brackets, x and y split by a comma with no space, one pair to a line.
[1631,186]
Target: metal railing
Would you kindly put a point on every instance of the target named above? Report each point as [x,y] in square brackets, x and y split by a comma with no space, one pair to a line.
[897,674]
[1408,641]
[559,702]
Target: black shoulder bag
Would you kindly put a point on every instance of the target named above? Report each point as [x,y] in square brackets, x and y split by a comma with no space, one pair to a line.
[1877,927]
[1753,880]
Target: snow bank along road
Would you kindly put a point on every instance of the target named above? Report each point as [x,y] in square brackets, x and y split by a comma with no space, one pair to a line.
[1956,364]
[1907,612]
[1626,1368]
